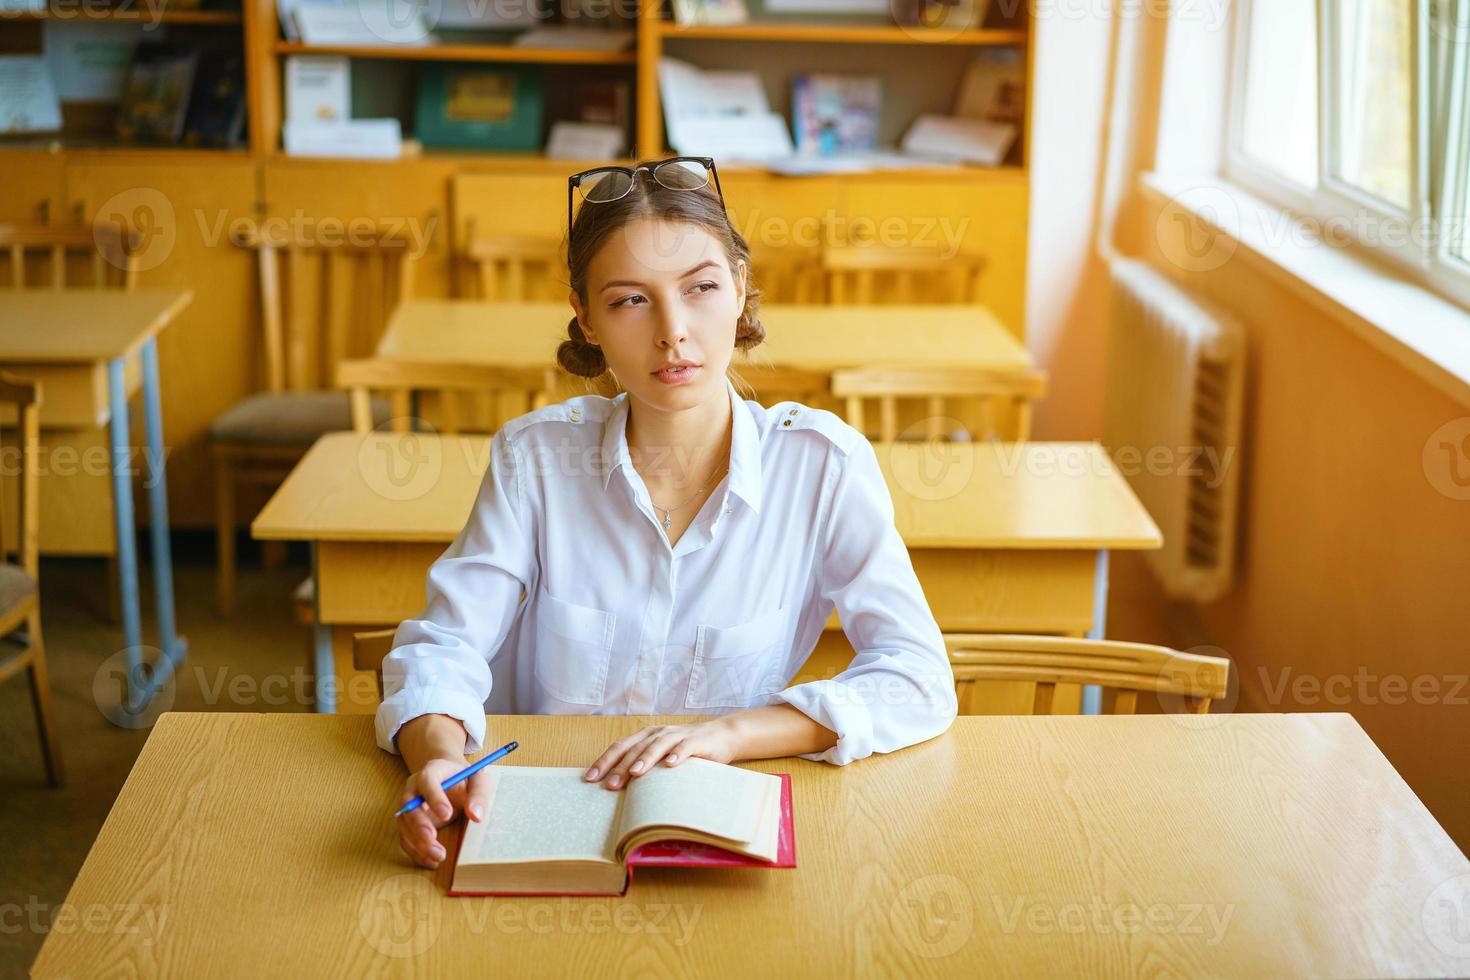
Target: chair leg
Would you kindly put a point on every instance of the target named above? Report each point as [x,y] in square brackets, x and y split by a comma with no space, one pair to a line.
[224,534]
[114,594]
[41,698]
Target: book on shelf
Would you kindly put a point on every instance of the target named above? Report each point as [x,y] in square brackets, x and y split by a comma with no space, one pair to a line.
[89,59]
[972,140]
[366,139]
[156,97]
[993,87]
[719,113]
[216,116]
[835,114]
[572,140]
[605,101]
[547,831]
[318,87]
[479,107]
[357,23]
[688,13]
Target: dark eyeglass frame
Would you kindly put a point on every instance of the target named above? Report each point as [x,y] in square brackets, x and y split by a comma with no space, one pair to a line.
[575,180]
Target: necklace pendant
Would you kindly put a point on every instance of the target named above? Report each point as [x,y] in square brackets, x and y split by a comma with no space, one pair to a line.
[668,519]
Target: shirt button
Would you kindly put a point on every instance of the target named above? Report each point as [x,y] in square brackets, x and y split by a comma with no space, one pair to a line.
[787,423]
[793,411]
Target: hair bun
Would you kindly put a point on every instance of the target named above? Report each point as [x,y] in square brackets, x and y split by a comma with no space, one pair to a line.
[577,356]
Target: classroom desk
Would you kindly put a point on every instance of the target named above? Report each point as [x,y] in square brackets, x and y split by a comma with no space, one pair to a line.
[79,343]
[1004,537]
[1247,845]
[812,338]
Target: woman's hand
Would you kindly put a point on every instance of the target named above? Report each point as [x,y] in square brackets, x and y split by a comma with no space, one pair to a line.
[418,829]
[631,757]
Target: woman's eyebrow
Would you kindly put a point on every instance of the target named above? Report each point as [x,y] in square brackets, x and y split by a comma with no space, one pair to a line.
[633,282]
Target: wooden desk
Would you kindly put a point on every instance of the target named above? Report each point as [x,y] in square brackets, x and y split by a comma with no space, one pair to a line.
[812,338]
[1004,537]
[1248,845]
[80,343]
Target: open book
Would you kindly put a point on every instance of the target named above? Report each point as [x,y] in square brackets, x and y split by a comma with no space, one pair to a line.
[549,832]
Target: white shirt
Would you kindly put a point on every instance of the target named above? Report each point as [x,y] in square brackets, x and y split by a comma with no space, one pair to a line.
[615,621]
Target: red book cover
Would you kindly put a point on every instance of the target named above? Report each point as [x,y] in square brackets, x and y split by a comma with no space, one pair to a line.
[682,854]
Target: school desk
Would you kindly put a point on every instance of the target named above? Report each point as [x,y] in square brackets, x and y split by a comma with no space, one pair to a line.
[811,338]
[248,844]
[1004,537]
[80,344]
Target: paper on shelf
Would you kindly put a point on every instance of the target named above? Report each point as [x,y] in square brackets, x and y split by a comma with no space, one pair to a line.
[28,102]
[377,139]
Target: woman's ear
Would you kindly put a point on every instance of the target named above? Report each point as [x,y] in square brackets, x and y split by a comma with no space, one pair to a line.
[740,279]
[581,313]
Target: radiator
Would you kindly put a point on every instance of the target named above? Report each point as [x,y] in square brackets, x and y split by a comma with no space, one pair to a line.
[1172,423]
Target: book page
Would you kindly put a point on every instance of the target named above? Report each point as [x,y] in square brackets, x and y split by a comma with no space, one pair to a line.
[710,797]
[543,814]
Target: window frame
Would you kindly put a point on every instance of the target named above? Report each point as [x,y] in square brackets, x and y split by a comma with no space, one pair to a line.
[1436,85]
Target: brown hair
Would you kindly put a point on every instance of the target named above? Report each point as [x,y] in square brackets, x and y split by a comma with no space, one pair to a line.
[648,198]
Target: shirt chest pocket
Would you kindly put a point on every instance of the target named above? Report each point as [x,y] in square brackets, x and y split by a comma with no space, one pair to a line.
[573,648]
[734,666]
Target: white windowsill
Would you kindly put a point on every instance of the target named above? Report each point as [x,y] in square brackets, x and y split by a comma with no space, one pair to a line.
[1419,329]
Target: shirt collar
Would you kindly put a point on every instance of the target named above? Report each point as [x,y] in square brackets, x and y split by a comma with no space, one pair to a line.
[745,446]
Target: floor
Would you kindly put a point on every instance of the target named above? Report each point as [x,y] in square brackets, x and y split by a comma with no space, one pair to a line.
[47,832]
[253,662]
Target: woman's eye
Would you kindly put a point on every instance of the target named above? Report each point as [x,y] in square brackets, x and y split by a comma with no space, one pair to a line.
[705,287]
[625,301]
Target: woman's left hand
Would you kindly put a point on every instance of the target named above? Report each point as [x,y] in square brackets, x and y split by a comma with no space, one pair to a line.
[631,757]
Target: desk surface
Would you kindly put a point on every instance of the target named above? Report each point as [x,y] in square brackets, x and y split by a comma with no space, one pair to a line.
[391,487]
[80,325]
[814,338]
[262,845]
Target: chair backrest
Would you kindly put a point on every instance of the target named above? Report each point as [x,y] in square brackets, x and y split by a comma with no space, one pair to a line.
[1005,398]
[790,275]
[327,300]
[773,384]
[451,383]
[856,273]
[1124,668]
[516,267]
[368,651]
[110,252]
[22,400]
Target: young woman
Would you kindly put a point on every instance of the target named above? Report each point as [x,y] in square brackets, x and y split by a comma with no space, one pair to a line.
[678,547]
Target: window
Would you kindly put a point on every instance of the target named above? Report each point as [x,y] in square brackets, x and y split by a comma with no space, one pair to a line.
[1355,115]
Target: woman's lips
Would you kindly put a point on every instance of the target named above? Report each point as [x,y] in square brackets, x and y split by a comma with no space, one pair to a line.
[677,376]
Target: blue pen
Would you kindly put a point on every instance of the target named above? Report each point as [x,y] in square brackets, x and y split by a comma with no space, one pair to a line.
[461,776]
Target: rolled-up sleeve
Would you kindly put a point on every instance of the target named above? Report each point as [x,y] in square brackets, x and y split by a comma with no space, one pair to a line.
[440,662]
[899,688]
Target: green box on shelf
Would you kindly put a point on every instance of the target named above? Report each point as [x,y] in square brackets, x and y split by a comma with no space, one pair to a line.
[479,107]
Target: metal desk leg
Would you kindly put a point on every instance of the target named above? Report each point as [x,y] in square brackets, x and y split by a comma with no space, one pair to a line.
[321,639]
[1091,693]
[141,685]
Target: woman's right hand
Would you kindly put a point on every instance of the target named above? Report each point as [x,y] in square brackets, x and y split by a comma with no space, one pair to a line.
[418,829]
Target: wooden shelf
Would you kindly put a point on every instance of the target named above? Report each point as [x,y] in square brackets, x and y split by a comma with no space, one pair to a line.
[132,15]
[464,52]
[838,33]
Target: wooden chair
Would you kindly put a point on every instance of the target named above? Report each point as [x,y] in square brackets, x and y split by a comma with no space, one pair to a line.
[1005,398]
[772,384]
[20,597]
[109,250]
[791,275]
[916,274]
[451,382]
[320,304]
[368,651]
[516,267]
[1124,668]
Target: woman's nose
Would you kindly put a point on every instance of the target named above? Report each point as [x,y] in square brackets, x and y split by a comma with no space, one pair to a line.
[671,330]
